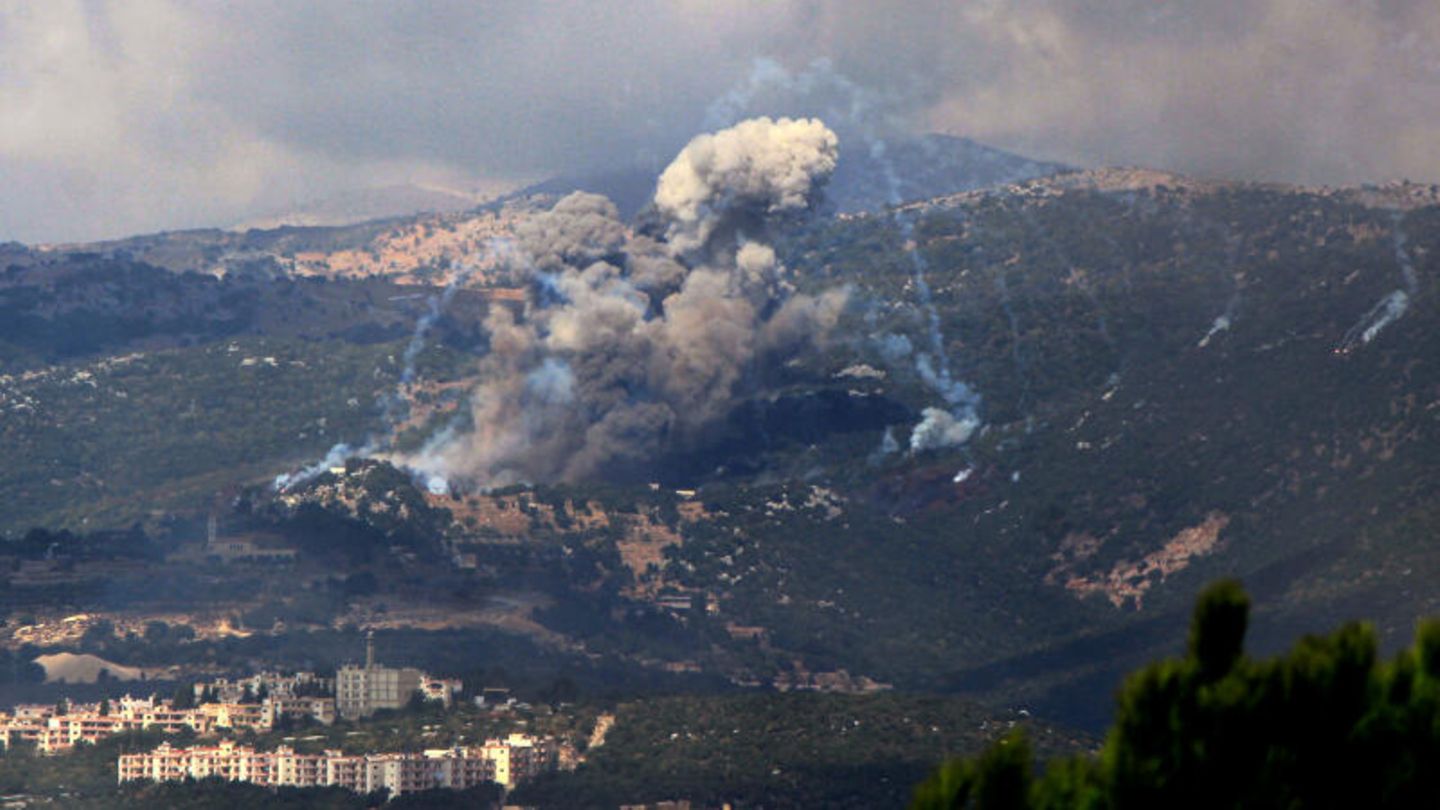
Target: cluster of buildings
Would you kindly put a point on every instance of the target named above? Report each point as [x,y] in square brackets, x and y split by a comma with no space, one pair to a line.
[256,703]
[56,728]
[505,762]
[264,684]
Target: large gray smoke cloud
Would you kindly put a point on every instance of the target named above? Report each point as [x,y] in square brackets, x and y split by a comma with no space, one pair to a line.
[741,175]
[651,341]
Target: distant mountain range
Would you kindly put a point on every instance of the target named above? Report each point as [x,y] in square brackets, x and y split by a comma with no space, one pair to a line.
[906,169]
[421,235]
[367,204]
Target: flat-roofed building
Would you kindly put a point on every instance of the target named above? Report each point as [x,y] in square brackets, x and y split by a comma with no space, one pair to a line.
[360,691]
[505,762]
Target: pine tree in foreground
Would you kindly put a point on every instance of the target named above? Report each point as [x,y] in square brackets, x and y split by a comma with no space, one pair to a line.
[1325,725]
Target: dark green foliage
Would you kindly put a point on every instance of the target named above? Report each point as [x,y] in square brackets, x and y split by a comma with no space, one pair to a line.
[998,779]
[1325,725]
[18,666]
[1217,634]
[87,772]
[476,798]
[184,697]
[217,794]
[795,750]
[104,443]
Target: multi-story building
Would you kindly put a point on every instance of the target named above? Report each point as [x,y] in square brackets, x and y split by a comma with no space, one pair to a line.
[360,691]
[238,715]
[295,770]
[319,709]
[507,762]
[518,757]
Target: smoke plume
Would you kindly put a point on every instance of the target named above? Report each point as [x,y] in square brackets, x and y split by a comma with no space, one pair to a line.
[868,117]
[741,176]
[631,346]
[1393,306]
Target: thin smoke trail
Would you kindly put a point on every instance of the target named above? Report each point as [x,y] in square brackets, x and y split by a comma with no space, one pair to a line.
[393,403]
[1402,254]
[1393,306]
[1385,312]
[1226,318]
[435,307]
[938,427]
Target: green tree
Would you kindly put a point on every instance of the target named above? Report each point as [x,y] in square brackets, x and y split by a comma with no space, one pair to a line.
[998,779]
[1217,630]
[184,697]
[1326,725]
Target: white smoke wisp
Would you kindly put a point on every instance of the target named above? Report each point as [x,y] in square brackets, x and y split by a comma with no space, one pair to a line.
[889,446]
[963,400]
[336,456]
[1221,324]
[1390,308]
[1402,256]
[1226,319]
[631,346]
[1385,312]
[939,428]
[393,404]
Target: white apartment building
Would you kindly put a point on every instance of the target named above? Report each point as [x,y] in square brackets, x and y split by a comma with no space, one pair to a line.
[507,763]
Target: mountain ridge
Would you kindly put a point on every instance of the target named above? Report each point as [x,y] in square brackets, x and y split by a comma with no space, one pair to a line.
[1149,352]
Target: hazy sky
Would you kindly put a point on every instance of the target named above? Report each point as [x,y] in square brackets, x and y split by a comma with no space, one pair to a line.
[123,116]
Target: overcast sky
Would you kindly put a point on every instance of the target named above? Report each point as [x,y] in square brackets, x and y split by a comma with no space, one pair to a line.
[125,116]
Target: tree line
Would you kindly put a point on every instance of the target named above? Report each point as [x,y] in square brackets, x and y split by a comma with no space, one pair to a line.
[1327,724]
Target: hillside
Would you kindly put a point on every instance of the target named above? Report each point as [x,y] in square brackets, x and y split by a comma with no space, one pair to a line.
[779,751]
[1178,380]
[417,249]
[376,232]
[1149,351]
